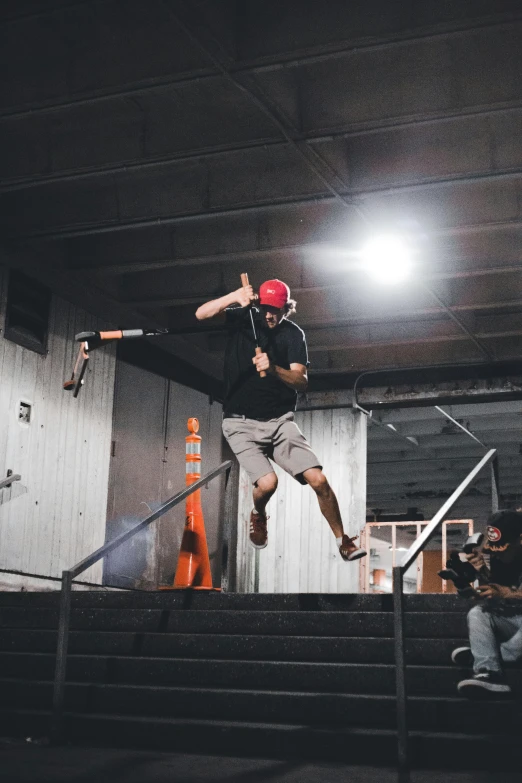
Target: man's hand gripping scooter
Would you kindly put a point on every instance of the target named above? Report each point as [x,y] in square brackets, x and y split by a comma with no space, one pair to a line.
[244,282]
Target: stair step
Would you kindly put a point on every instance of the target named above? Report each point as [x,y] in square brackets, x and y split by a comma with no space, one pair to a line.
[312,623]
[232,646]
[237,674]
[219,737]
[235,601]
[269,740]
[304,676]
[370,710]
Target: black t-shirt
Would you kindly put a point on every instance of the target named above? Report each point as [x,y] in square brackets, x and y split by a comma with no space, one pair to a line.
[508,574]
[245,391]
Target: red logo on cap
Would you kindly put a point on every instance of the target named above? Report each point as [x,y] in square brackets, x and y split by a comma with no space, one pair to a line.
[494,534]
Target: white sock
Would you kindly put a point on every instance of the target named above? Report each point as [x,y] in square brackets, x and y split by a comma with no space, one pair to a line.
[339,540]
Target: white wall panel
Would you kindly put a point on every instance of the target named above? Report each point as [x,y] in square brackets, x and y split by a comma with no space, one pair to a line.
[148,467]
[56,515]
[302,555]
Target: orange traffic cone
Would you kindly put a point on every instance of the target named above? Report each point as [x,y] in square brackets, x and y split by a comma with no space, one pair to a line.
[193,571]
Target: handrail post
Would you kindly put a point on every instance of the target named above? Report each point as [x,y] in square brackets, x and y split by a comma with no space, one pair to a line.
[61,657]
[228,582]
[68,576]
[398,598]
[400,668]
[494,485]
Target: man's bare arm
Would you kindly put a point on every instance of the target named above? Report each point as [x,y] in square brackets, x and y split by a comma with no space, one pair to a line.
[499,591]
[296,377]
[243,296]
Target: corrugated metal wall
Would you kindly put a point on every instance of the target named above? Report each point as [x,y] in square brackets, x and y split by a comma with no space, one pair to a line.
[301,556]
[148,466]
[57,513]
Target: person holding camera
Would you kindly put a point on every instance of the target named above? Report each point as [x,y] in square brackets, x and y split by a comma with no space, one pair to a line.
[495,622]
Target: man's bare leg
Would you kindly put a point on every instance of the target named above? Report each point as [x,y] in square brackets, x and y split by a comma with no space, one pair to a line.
[264,488]
[330,510]
[327,499]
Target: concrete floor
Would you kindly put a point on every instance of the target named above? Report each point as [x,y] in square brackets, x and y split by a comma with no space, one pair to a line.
[29,763]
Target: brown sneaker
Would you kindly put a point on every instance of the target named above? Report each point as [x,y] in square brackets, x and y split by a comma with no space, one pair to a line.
[349,551]
[258,531]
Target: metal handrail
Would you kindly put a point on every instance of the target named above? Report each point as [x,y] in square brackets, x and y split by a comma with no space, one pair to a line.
[67,581]
[398,596]
[460,426]
[412,368]
[6,482]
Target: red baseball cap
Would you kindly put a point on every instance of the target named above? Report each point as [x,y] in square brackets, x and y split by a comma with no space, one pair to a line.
[274,293]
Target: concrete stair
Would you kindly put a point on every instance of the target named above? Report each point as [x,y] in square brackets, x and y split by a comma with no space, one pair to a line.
[289,676]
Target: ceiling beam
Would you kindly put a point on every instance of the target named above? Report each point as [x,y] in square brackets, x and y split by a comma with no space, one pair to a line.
[433,471]
[414,402]
[385,343]
[311,55]
[442,441]
[201,298]
[252,254]
[324,377]
[310,138]
[414,341]
[125,166]
[187,217]
[514,461]
[262,254]
[262,208]
[272,205]
[332,323]
[475,411]
[444,480]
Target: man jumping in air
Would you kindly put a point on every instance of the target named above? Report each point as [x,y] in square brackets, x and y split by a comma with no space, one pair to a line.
[258,412]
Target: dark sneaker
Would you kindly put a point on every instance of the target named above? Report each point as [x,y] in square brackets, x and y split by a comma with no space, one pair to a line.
[258,531]
[349,551]
[462,656]
[484,685]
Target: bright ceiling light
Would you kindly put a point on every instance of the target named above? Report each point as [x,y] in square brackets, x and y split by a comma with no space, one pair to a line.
[387,259]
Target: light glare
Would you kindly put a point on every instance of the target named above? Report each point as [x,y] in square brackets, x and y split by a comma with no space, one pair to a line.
[387,259]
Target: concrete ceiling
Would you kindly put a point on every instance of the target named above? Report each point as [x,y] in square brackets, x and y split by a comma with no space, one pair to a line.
[422,472]
[153,151]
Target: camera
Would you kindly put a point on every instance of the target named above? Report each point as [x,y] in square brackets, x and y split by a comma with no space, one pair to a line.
[473,542]
[460,572]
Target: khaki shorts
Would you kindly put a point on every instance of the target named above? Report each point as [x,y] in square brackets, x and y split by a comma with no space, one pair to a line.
[256,442]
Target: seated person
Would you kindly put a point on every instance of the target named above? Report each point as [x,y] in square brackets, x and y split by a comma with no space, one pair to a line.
[495,622]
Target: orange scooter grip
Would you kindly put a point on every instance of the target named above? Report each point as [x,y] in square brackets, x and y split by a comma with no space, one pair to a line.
[258,351]
[116,334]
[244,282]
